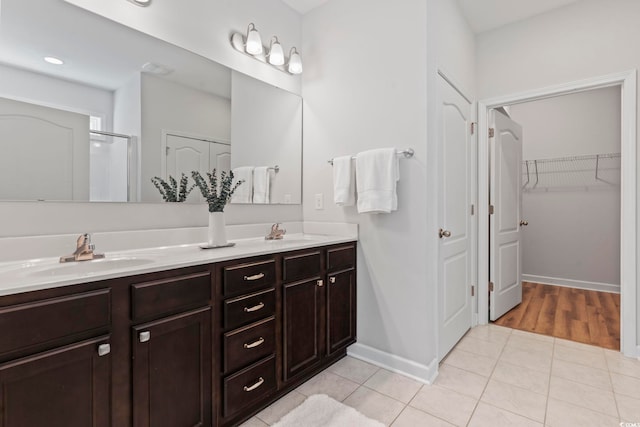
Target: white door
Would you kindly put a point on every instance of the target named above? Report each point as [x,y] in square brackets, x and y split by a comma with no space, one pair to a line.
[455,198]
[505,249]
[220,156]
[185,155]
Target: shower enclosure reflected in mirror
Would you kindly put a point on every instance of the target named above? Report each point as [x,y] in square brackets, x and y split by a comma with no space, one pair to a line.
[125,107]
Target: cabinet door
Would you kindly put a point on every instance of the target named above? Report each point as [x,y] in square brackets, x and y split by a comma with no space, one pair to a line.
[302,325]
[172,371]
[341,310]
[65,387]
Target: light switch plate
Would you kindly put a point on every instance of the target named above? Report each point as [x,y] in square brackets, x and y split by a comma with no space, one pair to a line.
[319,201]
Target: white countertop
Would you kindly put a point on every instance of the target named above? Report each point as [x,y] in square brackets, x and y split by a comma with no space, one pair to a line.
[46,273]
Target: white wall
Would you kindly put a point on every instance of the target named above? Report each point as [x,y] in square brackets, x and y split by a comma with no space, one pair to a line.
[205,27]
[267,131]
[585,39]
[173,107]
[365,86]
[573,236]
[127,120]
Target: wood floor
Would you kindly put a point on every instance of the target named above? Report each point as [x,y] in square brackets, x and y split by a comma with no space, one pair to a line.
[589,317]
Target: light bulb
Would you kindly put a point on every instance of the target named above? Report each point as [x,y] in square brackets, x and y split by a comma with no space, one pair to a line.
[295,62]
[276,54]
[254,42]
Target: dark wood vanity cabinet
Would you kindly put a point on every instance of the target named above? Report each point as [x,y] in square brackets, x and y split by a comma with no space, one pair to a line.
[196,346]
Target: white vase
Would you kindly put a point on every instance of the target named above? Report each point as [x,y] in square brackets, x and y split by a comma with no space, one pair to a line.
[216,234]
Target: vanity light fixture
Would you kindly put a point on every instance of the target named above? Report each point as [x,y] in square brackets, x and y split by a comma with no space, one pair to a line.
[276,54]
[143,3]
[295,62]
[251,45]
[53,60]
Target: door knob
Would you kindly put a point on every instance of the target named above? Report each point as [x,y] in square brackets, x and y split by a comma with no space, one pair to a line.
[444,233]
[524,223]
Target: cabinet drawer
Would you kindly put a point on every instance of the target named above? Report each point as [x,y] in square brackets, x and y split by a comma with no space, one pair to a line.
[167,296]
[341,258]
[246,309]
[249,386]
[243,278]
[246,345]
[296,267]
[40,322]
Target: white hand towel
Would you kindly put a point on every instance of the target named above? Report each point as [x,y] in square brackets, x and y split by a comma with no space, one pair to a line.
[261,183]
[244,193]
[343,181]
[377,172]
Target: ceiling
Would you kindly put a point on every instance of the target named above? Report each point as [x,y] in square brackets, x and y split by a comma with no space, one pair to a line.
[485,15]
[304,6]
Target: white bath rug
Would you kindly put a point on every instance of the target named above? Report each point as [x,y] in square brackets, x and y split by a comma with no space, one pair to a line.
[320,410]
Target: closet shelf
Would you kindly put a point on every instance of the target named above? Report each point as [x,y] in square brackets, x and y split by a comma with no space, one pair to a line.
[585,170]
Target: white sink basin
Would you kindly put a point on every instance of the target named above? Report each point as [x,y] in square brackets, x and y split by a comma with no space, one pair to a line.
[85,267]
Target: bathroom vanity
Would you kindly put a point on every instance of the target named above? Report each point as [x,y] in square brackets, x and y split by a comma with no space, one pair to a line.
[196,339]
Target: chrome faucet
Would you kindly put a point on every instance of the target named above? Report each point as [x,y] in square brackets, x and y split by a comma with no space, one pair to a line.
[83,252]
[276,233]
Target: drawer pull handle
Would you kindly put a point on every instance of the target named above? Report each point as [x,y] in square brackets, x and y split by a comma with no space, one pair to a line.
[104,349]
[256,343]
[257,307]
[254,277]
[145,336]
[332,280]
[255,386]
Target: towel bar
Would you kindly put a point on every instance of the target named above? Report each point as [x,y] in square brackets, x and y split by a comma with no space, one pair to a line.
[408,153]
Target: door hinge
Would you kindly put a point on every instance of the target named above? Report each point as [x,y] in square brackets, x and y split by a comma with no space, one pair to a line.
[490,286]
[167,151]
[492,132]
[491,209]
[473,209]
[473,128]
[473,291]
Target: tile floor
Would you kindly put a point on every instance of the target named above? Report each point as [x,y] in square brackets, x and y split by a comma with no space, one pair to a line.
[494,377]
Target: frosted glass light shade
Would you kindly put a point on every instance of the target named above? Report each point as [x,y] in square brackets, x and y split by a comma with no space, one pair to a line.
[276,54]
[295,62]
[254,41]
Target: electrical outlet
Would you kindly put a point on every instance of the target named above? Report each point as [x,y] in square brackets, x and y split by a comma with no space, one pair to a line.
[319,201]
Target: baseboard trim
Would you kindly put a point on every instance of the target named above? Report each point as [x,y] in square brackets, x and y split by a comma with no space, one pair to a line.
[423,373]
[570,283]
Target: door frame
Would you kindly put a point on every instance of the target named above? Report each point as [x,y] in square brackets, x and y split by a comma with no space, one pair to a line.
[629,208]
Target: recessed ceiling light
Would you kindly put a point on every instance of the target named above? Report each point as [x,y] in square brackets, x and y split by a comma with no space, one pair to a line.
[53,60]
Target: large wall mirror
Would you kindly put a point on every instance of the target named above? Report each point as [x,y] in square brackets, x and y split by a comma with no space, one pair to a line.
[124,107]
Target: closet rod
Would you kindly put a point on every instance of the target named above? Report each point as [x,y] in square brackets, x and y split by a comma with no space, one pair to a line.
[408,153]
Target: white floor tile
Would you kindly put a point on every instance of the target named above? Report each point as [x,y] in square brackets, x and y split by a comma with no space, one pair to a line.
[515,399]
[621,364]
[411,417]
[490,416]
[353,369]
[375,405]
[393,385]
[544,348]
[623,384]
[532,335]
[490,333]
[629,408]
[330,384]
[462,381]
[563,414]
[593,359]
[446,404]
[470,362]
[520,376]
[579,346]
[582,374]
[481,347]
[536,360]
[583,395]
[253,422]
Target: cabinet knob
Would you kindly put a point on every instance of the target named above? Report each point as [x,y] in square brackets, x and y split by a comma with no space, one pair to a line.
[104,349]
[320,283]
[254,386]
[144,336]
[254,277]
[332,280]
